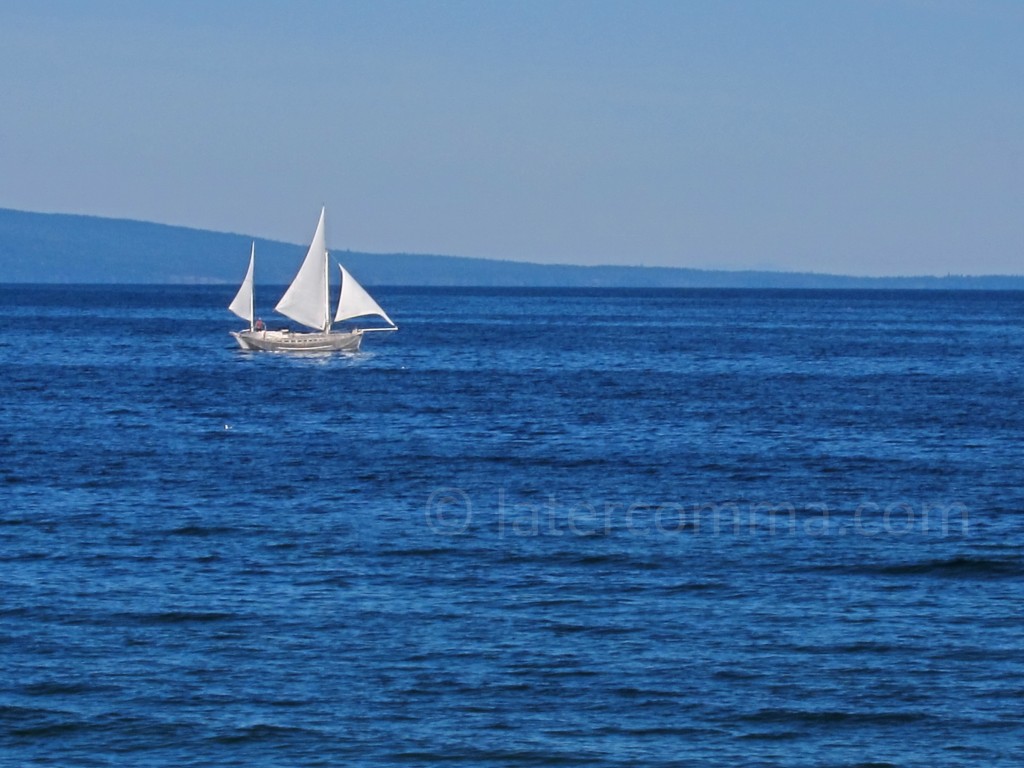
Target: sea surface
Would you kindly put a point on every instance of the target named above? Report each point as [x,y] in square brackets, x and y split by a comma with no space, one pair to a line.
[532,528]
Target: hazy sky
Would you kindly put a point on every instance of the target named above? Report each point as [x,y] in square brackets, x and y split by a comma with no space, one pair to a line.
[865,137]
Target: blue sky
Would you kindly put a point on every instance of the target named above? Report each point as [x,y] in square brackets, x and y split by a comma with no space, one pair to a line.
[867,137]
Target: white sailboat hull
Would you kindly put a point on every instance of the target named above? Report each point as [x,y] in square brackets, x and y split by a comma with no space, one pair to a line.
[289,341]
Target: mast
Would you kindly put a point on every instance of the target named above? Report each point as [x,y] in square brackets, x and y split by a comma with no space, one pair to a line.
[252,289]
[327,291]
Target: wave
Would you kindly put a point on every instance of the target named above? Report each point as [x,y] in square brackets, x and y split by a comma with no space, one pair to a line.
[959,567]
[182,617]
[832,717]
[260,732]
[201,531]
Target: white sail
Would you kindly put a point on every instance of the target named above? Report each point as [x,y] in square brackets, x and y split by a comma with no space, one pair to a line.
[306,301]
[355,301]
[243,303]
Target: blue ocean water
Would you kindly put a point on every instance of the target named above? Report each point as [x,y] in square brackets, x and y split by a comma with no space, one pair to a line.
[596,528]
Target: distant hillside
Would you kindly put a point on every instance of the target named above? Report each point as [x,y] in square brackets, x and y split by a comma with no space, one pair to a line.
[63,248]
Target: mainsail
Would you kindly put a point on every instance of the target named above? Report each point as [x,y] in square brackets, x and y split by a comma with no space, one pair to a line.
[306,301]
[243,303]
[355,301]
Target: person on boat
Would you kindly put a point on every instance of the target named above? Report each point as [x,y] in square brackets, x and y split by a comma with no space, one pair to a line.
[259,324]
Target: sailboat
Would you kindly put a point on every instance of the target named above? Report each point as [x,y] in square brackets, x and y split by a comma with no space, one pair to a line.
[308,301]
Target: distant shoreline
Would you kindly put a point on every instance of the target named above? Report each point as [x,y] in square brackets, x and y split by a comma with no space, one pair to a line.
[69,249]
